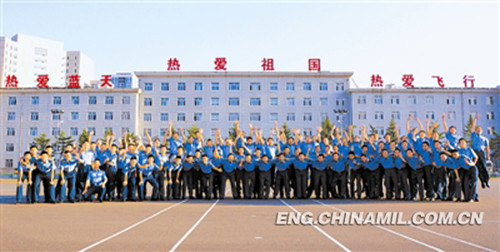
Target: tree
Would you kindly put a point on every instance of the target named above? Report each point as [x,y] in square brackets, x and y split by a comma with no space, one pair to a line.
[288,132]
[495,148]
[373,130]
[232,132]
[391,130]
[130,137]
[193,130]
[62,141]
[326,128]
[467,130]
[108,132]
[83,137]
[41,142]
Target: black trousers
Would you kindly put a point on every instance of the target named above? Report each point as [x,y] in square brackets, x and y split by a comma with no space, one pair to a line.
[113,180]
[216,178]
[206,184]
[197,183]
[454,191]
[187,179]
[403,183]
[372,183]
[249,183]
[264,184]
[429,181]
[417,177]
[160,178]
[339,182]
[468,177]
[355,178]
[319,182]
[119,183]
[282,180]
[391,182]
[231,176]
[300,184]
[240,181]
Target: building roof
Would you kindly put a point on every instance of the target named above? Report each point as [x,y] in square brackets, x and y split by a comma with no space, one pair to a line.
[241,74]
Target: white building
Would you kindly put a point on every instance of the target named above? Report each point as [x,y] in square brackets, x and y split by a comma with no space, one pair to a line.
[27,57]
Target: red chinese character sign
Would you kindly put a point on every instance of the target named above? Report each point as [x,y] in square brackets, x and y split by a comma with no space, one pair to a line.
[74,81]
[11,81]
[220,64]
[268,64]
[408,80]
[106,81]
[377,81]
[173,64]
[314,65]
[469,79]
[440,81]
[43,81]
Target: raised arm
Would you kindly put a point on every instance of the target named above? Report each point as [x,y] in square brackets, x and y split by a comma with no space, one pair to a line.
[408,128]
[445,125]
[419,124]
[474,123]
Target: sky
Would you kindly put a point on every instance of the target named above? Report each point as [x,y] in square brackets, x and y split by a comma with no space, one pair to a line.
[389,38]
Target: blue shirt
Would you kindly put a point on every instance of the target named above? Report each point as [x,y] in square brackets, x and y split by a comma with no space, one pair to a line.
[453,163]
[320,166]
[353,164]
[414,162]
[226,149]
[22,168]
[338,165]
[282,166]
[300,165]
[479,142]
[372,164]
[398,162]
[112,158]
[467,153]
[68,166]
[206,168]
[387,163]
[45,167]
[427,157]
[264,166]
[174,145]
[96,177]
[209,151]
[130,170]
[356,148]
[187,166]
[453,139]
[148,171]
[229,166]
[248,166]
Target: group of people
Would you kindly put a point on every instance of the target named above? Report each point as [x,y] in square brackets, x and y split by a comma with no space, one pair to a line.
[330,165]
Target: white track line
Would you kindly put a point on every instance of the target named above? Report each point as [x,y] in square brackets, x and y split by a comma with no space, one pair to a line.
[132,226]
[388,230]
[193,227]
[319,229]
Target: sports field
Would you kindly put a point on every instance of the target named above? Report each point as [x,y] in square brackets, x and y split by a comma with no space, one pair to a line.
[204,225]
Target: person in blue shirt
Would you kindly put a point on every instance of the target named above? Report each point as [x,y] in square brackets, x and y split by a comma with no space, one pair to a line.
[264,167]
[129,180]
[301,166]
[69,168]
[87,155]
[239,173]
[468,162]
[146,175]
[206,168]
[416,174]
[197,174]
[217,174]
[454,188]
[427,157]
[391,177]
[339,176]
[122,162]
[450,133]
[319,166]
[25,171]
[440,167]
[162,161]
[282,181]
[96,182]
[229,167]
[110,163]
[371,166]
[188,176]
[402,174]
[45,173]
[248,166]
[481,147]
[354,165]
[174,170]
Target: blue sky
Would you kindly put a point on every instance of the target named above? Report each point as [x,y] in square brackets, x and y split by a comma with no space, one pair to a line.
[390,38]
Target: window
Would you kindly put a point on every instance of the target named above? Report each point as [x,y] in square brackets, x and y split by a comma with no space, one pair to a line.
[290,101]
[9,147]
[148,86]
[362,99]
[273,101]
[125,116]
[126,100]
[450,100]
[181,117]
[92,116]
[273,86]
[395,100]
[234,86]
[254,116]
[323,116]
[490,115]
[254,101]
[164,101]
[214,101]
[323,86]
[197,101]
[255,86]
[9,163]
[56,117]
[74,131]
[33,131]
[163,131]
[92,100]
[57,100]
[307,86]
[412,114]
[148,117]
[214,117]
[380,130]
[197,117]
[378,99]
[181,101]
[290,117]
[452,115]
[308,117]
[273,116]
[147,131]
[429,115]
[339,86]
[12,100]
[11,116]
[56,131]
[34,116]
[429,100]
[234,101]
[181,86]
[75,100]
[308,132]
[148,101]
[491,130]
[90,129]
[234,116]
[490,100]
[412,100]
[339,102]
[472,100]
[165,86]
[290,86]
[198,86]
[307,101]
[109,100]
[108,129]
[395,115]
[11,132]
[35,100]
[108,115]
[379,115]
[323,101]
[215,86]
[362,115]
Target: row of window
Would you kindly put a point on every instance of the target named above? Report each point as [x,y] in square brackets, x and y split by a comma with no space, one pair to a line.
[412,100]
[75,100]
[235,101]
[232,116]
[396,115]
[235,86]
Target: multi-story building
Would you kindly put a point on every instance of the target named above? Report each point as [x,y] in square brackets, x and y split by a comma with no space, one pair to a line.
[78,63]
